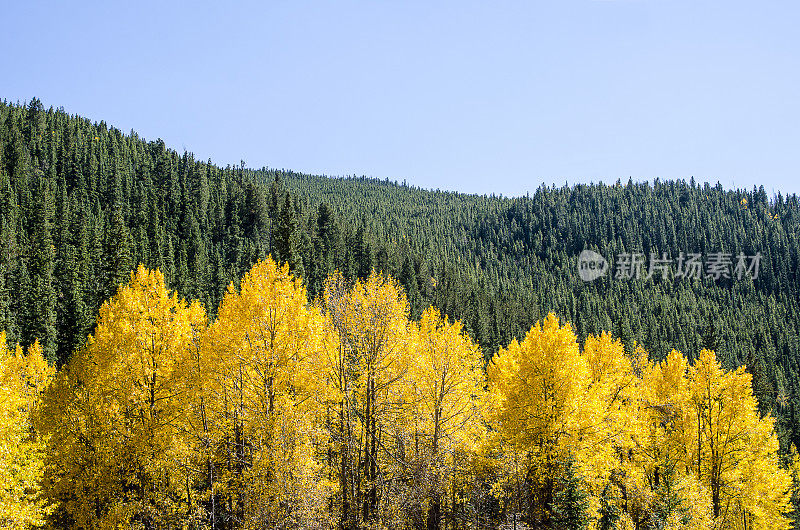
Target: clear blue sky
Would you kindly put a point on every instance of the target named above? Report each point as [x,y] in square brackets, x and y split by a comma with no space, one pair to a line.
[470,96]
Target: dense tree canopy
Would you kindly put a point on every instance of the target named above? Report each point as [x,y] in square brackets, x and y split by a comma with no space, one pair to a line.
[81,204]
[347,413]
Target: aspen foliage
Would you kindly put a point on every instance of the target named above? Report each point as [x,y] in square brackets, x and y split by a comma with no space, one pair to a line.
[702,457]
[736,451]
[114,414]
[608,440]
[447,402]
[370,419]
[23,377]
[543,416]
[265,403]
[345,413]
[663,445]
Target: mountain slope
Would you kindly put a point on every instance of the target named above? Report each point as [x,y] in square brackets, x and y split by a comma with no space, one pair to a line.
[82,203]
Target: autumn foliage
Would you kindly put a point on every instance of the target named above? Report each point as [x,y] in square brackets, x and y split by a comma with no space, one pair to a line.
[23,376]
[345,413]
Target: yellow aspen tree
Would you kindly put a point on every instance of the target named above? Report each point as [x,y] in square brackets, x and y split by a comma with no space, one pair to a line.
[540,413]
[664,406]
[23,377]
[268,400]
[734,451]
[197,464]
[339,367]
[668,491]
[447,380]
[371,321]
[611,398]
[115,413]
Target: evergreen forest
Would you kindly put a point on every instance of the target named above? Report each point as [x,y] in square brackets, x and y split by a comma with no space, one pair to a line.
[194,346]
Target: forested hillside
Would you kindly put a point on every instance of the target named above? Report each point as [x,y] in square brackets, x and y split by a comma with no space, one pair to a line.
[83,203]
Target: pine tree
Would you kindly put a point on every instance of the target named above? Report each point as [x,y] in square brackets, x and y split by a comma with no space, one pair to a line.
[40,318]
[9,256]
[286,237]
[570,504]
[117,263]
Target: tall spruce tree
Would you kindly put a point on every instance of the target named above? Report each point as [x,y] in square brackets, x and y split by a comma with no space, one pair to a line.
[40,317]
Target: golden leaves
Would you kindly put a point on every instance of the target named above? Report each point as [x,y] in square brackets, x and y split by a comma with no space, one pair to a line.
[539,385]
[23,378]
[281,410]
[266,387]
[117,409]
[639,427]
